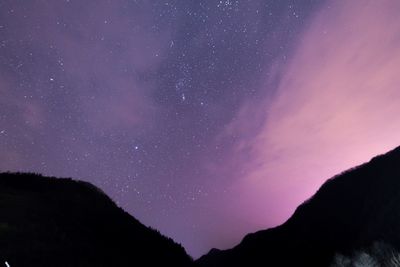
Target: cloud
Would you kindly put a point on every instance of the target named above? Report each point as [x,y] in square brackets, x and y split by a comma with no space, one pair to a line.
[336,105]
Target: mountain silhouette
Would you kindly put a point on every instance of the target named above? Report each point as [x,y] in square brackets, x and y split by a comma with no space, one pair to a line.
[352,216]
[61,222]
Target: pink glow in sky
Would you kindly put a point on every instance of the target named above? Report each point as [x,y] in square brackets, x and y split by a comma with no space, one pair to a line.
[206,120]
[337,105]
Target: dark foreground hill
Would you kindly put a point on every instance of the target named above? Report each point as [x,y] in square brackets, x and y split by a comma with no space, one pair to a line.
[61,222]
[355,216]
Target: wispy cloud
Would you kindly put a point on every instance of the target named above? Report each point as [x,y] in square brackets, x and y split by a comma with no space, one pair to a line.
[337,105]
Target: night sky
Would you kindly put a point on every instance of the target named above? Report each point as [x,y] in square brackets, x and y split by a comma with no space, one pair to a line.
[203,119]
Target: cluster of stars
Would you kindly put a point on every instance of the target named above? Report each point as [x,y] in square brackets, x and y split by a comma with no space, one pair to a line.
[134,96]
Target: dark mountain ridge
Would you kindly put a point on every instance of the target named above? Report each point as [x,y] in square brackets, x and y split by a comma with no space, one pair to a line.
[350,212]
[61,222]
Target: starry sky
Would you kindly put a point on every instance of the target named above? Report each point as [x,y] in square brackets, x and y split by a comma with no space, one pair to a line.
[203,119]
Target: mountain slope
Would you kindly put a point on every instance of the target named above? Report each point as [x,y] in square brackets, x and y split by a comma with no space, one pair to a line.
[61,222]
[349,212]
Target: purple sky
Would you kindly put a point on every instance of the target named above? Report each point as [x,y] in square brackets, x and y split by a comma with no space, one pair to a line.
[204,119]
